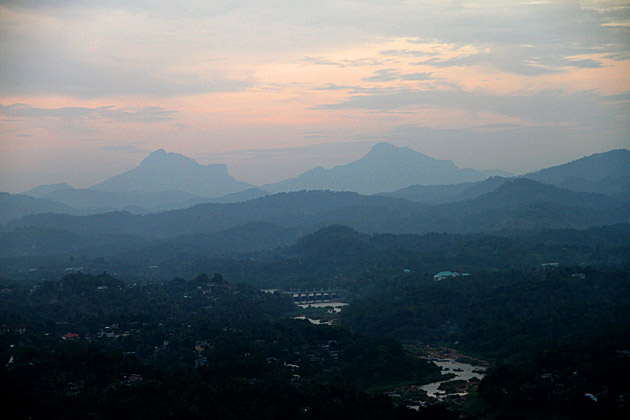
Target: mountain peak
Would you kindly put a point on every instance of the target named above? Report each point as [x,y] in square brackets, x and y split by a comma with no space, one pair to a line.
[384,146]
[396,154]
[388,148]
[384,168]
[164,171]
[162,157]
[157,155]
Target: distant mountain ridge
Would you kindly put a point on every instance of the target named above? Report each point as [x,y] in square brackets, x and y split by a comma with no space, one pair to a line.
[162,171]
[603,173]
[240,196]
[42,190]
[15,206]
[607,173]
[516,204]
[170,181]
[133,201]
[519,204]
[295,209]
[384,168]
[524,191]
[440,194]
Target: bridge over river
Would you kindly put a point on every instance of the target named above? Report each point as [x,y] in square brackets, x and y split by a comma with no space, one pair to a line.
[300,296]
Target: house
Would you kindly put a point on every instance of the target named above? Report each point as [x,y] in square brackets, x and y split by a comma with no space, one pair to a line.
[549,266]
[201,346]
[131,379]
[291,366]
[135,377]
[590,396]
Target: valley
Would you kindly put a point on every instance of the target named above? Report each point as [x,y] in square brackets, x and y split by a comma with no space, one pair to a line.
[464,300]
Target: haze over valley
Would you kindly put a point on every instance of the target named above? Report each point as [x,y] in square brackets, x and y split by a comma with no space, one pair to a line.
[396,253]
[315,210]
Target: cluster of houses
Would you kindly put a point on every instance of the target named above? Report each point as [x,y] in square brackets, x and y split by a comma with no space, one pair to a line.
[17,329]
[200,347]
[109,331]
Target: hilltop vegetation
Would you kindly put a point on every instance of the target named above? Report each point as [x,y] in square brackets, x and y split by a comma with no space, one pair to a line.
[198,348]
[539,287]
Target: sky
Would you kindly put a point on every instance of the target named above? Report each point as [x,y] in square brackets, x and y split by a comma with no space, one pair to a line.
[273,88]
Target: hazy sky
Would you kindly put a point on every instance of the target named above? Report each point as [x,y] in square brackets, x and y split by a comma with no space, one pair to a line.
[275,87]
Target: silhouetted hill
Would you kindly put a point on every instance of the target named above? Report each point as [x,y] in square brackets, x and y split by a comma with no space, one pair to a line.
[41,241]
[385,168]
[15,206]
[347,250]
[498,172]
[606,173]
[247,238]
[333,242]
[237,197]
[600,236]
[519,204]
[304,209]
[37,241]
[133,201]
[433,194]
[523,191]
[42,190]
[162,171]
[500,192]
[440,194]
[137,202]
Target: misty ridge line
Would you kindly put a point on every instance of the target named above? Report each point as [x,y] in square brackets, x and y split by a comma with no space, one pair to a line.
[169,181]
[378,163]
[157,163]
[589,192]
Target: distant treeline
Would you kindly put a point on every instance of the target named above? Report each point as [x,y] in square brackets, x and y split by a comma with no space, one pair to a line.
[329,257]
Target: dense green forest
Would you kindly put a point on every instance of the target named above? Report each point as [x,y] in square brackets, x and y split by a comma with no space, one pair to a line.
[392,285]
[580,379]
[499,314]
[169,342]
[328,257]
[96,346]
[516,204]
[102,347]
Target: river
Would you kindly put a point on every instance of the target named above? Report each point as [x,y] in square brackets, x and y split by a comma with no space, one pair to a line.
[314,321]
[462,371]
[336,306]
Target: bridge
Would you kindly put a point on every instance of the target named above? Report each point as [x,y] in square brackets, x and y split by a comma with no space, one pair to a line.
[313,296]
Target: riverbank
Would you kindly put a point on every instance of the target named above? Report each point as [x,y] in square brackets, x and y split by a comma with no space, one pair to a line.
[320,312]
[461,376]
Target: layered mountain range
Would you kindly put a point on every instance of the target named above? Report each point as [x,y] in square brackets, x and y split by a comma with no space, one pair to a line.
[169,181]
[129,219]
